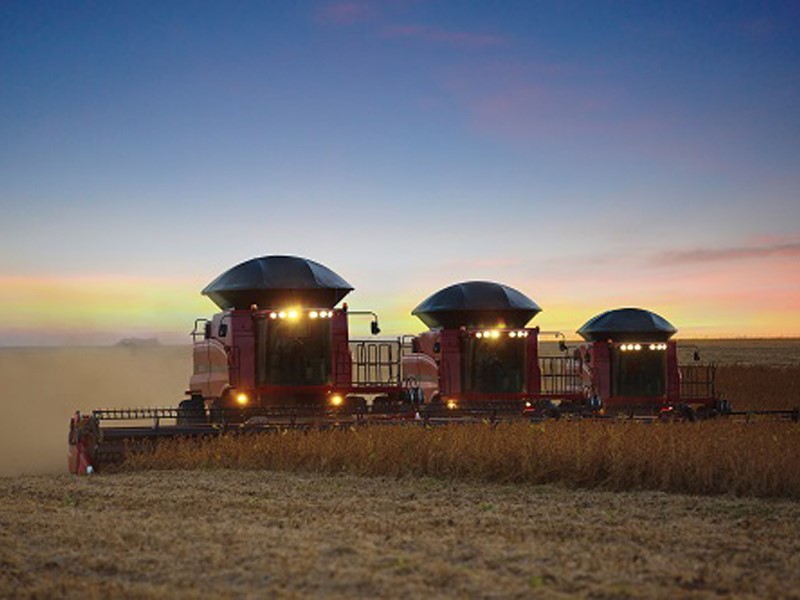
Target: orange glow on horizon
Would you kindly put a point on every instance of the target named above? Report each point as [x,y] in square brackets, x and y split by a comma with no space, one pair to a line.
[700,302]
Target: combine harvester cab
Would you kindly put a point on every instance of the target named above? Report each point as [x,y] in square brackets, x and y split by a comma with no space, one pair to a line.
[279,341]
[631,366]
[488,357]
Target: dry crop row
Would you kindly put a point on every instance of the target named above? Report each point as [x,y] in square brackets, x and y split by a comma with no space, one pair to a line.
[715,457]
[753,387]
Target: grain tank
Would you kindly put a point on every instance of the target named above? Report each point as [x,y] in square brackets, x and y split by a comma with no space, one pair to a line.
[479,337]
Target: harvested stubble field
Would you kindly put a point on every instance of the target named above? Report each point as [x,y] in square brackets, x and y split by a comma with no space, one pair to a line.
[220,533]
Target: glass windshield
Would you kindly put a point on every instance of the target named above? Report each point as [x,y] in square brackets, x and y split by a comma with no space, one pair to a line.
[641,373]
[493,365]
[294,352]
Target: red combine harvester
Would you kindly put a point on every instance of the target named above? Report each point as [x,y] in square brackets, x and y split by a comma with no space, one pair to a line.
[488,359]
[629,364]
[279,355]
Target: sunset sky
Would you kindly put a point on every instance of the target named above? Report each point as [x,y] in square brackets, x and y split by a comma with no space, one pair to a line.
[591,154]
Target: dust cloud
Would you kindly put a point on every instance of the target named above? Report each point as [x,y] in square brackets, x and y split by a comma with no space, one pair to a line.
[41,388]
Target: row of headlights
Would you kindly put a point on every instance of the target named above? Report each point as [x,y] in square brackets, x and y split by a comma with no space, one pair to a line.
[293,314]
[637,347]
[494,334]
[243,399]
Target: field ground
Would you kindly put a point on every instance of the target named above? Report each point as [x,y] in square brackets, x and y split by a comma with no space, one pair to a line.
[262,534]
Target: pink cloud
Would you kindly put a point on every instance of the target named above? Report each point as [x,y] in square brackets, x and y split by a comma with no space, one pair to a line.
[347,13]
[705,255]
[443,36]
[522,102]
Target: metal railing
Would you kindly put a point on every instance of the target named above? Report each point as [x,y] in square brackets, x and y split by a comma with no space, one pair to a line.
[697,381]
[376,362]
[560,375]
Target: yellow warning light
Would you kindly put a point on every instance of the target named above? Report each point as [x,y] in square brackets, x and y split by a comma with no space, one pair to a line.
[293,314]
[242,399]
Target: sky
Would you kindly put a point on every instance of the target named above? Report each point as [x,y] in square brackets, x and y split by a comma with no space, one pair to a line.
[593,155]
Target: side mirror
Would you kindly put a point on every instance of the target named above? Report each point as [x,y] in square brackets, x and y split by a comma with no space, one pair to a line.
[562,346]
[696,355]
[374,328]
[437,347]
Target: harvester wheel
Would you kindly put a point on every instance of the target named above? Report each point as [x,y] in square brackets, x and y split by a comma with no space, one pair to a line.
[191,411]
[356,404]
[380,404]
[552,412]
[687,413]
[706,413]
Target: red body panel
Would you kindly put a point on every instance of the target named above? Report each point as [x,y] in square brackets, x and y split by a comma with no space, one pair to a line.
[533,373]
[243,350]
[601,369]
[342,362]
[673,374]
[82,440]
[450,362]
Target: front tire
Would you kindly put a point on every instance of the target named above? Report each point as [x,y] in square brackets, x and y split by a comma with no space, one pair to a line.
[191,411]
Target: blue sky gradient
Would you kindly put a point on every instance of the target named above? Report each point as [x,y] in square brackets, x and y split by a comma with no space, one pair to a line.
[591,154]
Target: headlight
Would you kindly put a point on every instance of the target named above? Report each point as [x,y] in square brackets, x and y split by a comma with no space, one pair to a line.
[313,314]
[336,400]
[242,399]
[452,404]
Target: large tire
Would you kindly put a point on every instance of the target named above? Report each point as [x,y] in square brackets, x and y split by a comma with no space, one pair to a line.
[687,413]
[355,405]
[380,404]
[552,412]
[191,411]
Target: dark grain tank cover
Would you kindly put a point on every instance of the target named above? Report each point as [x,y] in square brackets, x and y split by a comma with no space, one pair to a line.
[477,304]
[277,281]
[627,324]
